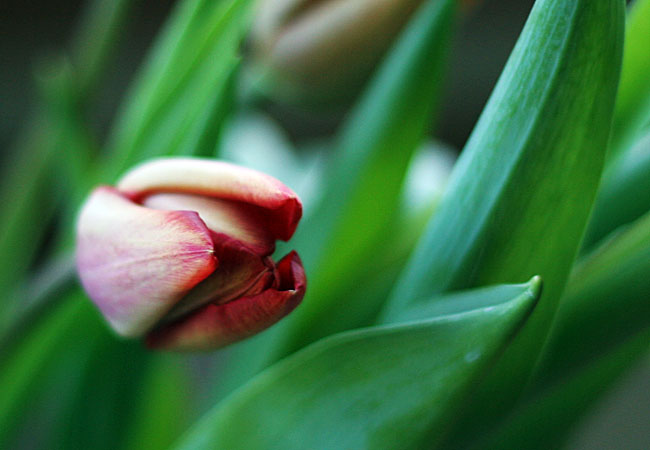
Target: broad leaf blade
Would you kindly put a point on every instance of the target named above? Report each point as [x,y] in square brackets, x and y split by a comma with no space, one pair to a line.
[370,164]
[71,328]
[363,189]
[545,420]
[162,410]
[383,387]
[522,191]
[624,194]
[606,302]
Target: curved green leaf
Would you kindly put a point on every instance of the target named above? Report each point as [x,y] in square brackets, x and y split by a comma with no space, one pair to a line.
[624,194]
[545,420]
[163,409]
[55,134]
[188,68]
[393,386]
[71,328]
[606,302]
[522,191]
[374,149]
[363,189]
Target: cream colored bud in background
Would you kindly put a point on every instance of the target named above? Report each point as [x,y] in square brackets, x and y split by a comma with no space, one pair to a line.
[322,51]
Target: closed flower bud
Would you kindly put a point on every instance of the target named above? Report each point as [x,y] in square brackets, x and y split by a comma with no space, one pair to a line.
[180,253]
[319,52]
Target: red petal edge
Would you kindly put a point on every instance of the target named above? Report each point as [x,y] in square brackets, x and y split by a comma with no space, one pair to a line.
[281,206]
[216,326]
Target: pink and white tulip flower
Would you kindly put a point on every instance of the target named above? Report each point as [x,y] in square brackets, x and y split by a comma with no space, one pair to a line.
[180,253]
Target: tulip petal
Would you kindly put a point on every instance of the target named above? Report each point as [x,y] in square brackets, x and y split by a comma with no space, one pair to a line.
[136,263]
[215,326]
[237,220]
[281,206]
[240,273]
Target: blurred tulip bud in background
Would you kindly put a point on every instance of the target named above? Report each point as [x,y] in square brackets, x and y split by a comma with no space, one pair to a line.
[320,52]
[180,250]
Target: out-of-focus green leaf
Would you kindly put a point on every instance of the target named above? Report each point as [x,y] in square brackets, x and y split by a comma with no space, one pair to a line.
[394,386]
[367,173]
[606,302]
[50,163]
[182,83]
[522,191]
[23,223]
[100,32]
[546,419]
[71,329]
[364,183]
[632,117]
[204,135]
[34,300]
[106,395]
[27,192]
[624,192]
[162,410]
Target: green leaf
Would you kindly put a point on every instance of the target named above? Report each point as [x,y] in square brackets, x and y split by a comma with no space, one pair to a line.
[101,31]
[520,195]
[624,193]
[365,181]
[182,82]
[29,192]
[546,419]
[369,165]
[162,410]
[606,302]
[103,406]
[393,386]
[632,116]
[71,329]
[204,135]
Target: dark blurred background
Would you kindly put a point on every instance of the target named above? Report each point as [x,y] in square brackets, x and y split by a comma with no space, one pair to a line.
[32,30]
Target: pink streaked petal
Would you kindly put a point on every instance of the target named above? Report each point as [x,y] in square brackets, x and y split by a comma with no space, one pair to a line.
[135,262]
[216,326]
[237,220]
[219,180]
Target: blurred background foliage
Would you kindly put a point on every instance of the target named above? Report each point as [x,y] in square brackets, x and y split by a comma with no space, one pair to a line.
[67,65]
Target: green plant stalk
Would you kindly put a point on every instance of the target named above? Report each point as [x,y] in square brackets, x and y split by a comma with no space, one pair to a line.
[521,193]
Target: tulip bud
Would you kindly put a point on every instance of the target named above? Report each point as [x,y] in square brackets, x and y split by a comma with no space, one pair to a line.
[179,252]
[316,52]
